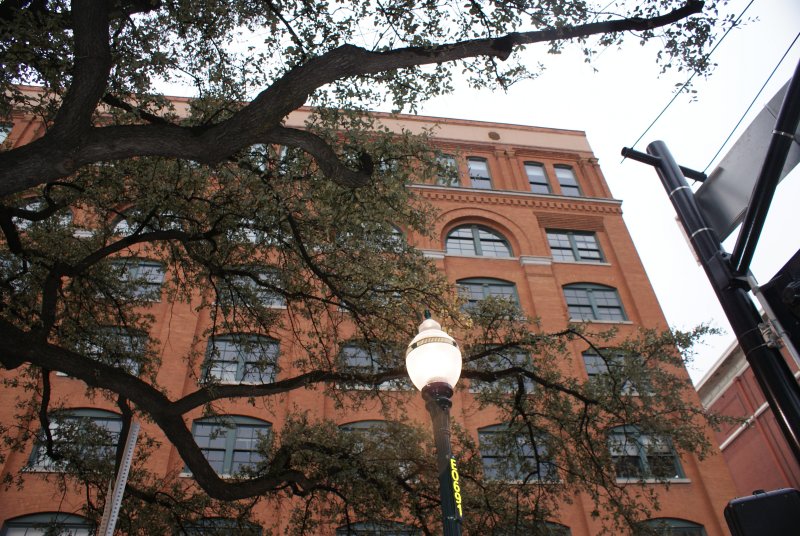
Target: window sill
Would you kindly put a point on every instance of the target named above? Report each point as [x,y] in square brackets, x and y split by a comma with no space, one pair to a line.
[589,263]
[528,483]
[653,481]
[220,382]
[342,387]
[186,474]
[42,470]
[581,321]
[487,257]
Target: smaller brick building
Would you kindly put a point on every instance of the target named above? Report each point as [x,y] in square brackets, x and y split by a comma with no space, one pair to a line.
[757,454]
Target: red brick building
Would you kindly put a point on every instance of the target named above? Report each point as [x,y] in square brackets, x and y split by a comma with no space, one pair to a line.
[528,215]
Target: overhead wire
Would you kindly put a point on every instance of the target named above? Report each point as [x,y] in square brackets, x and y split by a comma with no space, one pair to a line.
[752,103]
[689,80]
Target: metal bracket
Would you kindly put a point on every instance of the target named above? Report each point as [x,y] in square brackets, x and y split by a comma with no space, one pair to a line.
[771,335]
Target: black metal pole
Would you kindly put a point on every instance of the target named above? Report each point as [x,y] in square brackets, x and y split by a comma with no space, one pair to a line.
[771,371]
[438,403]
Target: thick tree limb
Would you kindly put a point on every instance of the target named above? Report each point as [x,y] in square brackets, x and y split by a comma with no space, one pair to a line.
[71,143]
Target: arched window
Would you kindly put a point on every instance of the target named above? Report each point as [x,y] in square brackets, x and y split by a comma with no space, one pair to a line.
[503,359]
[567,181]
[221,526]
[381,528]
[47,523]
[143,277]
[537,178]
[587,301]
[479,173]
[85,434]
[613,368]
[230,442]
[666,526]
[371,358]
[477,289]
[476,240]
[38,207]
[119,347]
[637,455]
[134,218]
[554,529]
[365,431]
[239,358]
[515,455]
[249,284]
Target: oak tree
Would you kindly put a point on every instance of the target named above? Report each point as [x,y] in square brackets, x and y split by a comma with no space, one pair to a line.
[267,228]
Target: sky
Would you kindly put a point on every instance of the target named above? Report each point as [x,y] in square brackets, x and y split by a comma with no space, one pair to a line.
[616,103]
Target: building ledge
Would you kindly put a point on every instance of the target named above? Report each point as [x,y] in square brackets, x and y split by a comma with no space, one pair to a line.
[588,263]
[653,481]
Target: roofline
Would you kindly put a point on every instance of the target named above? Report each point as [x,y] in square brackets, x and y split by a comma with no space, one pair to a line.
[717,365]
[411,117]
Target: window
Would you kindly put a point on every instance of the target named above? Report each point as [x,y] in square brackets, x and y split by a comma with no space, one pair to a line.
[383,528]
[369,440]
[134,218]
[574,246]
[359,358]
[143,277]
[479,173]
[259,156]
[48,524]
[220,526]
[554,529]
[230,443]
[567,181]
[448,171]
[246,230]
[476,240]
[5,130]
[80,434]
[638,455]
[118,347]
[593,302]
[510,455]
[63,216]
[502,360]
[258,284]
[363,431]
[242,359]
[666,526]
[612,367]
[538,528]
[475,290]
[537,178]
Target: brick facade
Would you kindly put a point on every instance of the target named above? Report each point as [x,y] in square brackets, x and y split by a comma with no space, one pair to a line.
[510,210]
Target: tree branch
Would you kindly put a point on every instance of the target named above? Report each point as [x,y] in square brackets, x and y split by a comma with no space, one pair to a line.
[25,167]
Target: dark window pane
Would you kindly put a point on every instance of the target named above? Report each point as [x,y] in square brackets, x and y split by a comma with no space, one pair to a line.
[567,181]
[479,173]
[537,178]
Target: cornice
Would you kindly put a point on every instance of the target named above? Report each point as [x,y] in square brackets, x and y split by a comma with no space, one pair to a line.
[523,199]
[517,151]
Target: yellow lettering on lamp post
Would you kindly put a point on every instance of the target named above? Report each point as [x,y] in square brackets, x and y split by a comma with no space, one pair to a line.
[456,486]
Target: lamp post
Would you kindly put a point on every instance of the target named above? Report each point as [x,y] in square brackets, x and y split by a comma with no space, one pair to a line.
[433,361]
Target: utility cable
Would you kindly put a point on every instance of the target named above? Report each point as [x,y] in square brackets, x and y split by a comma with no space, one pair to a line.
[752,103]
[675,96]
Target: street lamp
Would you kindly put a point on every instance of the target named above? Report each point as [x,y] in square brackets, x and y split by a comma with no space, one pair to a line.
[433,361]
